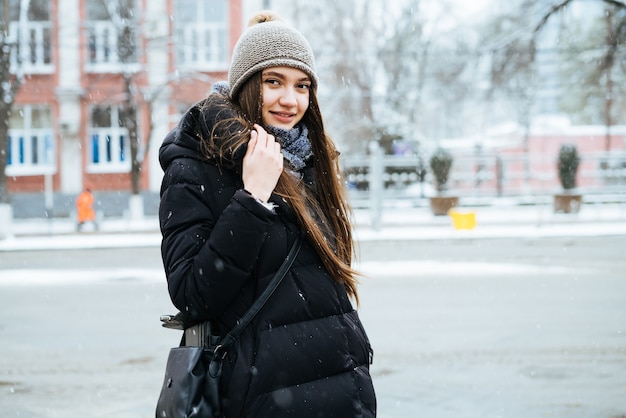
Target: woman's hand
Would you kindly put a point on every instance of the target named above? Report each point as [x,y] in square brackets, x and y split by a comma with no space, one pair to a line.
[262,164]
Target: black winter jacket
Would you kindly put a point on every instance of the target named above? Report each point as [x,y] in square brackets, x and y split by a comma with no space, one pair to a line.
[305,354]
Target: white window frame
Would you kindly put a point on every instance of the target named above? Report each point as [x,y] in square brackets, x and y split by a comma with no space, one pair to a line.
[30,57]
[192,50]
[109,147]
[32,151]
[102,41]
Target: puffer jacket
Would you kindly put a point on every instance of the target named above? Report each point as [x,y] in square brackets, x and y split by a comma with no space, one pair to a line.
[306,353]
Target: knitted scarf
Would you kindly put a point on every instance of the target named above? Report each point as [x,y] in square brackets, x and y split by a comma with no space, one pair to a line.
[295,144]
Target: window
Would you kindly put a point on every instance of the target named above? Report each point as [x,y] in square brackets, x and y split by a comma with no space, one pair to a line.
[31,141]
[108,141]
[111,35]
[201,29]
[32,51]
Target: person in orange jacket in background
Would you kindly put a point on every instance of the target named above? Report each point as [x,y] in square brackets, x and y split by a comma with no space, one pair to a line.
[84,208]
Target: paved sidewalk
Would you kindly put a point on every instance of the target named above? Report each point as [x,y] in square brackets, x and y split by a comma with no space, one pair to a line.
[396,223]
[495,221]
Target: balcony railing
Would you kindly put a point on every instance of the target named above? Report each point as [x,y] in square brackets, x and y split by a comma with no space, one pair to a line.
[31,152]
[32,52]
[104,48]
[203,46]
[109,150]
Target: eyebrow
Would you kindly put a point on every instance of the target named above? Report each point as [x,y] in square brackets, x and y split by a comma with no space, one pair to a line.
[281,75]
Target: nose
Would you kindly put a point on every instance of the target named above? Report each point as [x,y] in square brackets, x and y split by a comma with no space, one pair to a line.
[288,98]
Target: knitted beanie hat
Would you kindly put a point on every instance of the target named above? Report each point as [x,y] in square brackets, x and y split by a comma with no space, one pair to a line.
[269,42]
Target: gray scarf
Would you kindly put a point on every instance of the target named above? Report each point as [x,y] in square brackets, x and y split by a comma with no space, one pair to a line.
[295,144]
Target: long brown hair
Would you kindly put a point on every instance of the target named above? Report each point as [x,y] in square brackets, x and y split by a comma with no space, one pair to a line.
[329,204]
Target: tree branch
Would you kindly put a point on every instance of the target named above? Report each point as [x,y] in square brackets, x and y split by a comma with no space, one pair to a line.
[560,6]
[616,3]
[554,9]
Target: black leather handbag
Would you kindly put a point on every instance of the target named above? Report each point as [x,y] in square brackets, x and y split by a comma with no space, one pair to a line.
[191,388]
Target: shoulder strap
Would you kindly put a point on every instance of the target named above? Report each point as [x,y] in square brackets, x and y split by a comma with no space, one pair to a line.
[230,338]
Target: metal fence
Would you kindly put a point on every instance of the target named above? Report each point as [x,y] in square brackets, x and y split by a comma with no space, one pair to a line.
[375,179]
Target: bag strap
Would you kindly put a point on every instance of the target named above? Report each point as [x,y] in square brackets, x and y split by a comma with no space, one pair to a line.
[230,338]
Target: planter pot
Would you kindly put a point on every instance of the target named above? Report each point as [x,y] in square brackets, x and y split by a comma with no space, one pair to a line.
[440,205]
[567,203]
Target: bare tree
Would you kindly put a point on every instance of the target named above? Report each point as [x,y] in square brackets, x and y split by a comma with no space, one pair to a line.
[614,39]
[379,79]
[124,18]
[10,52]
[346,50]
[135,99]
[406,56]
[511,41]
[9,86]
[427,56]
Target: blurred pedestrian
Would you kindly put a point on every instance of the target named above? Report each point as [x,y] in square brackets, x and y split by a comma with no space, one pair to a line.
[84,209]
[246,170]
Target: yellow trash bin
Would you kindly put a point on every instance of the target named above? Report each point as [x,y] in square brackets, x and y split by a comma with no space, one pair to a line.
[462,220]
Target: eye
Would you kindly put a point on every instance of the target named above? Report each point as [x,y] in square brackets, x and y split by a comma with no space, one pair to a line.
[271,81]
[304,86]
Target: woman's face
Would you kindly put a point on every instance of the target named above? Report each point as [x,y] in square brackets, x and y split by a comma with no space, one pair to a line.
[285,93]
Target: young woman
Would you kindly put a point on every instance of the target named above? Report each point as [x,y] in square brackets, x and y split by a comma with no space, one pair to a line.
[246,170]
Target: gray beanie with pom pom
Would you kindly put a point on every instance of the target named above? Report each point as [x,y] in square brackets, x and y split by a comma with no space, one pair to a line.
[269,42]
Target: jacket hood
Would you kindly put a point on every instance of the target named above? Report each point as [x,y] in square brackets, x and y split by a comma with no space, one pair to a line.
[184,141]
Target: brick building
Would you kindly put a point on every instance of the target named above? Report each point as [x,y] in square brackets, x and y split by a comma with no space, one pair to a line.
[84,63]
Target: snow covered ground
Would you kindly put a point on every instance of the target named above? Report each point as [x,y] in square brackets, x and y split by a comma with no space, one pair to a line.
[409,223]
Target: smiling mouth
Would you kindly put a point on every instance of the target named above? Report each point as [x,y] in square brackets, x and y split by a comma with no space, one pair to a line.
[283,115]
